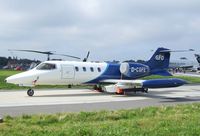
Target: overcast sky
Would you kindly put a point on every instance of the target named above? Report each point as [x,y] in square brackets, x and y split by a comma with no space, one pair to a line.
[110,29]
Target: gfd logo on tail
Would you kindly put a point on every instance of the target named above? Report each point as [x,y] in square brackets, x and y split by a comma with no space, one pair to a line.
[159,57]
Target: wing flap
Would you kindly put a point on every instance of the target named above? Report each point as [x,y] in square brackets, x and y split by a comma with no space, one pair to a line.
[127,83]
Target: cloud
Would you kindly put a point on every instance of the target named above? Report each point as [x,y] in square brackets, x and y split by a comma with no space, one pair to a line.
[110,29]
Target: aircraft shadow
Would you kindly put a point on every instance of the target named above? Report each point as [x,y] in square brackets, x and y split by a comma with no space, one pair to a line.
[163,99]
[180,99]
[152,95]
[73,95]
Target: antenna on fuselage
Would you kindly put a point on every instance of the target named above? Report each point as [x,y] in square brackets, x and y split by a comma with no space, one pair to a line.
[86,58]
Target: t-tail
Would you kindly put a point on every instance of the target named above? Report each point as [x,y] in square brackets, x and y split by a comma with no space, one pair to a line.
[159,62]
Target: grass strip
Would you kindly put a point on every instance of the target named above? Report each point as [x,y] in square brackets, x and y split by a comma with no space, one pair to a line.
[154,121]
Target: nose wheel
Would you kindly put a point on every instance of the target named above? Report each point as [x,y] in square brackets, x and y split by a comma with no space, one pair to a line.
[30,92]
[145,90]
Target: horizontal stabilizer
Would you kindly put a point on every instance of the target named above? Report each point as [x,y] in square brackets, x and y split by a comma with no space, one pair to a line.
[176,50]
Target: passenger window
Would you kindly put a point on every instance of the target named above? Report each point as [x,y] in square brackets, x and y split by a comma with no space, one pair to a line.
[99,69]
[91,69]
[84,69]
[77,69]
[46,66]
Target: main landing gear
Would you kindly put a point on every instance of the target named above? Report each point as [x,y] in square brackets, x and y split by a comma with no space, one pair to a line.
[120,91]
[98,88]
[30,92]
[143,90]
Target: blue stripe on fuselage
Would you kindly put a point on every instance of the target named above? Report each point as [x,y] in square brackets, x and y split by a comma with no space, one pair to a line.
[112,71]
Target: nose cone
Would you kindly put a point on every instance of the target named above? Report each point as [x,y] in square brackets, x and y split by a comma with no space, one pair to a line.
[9,80]
[15,79]
[22,79]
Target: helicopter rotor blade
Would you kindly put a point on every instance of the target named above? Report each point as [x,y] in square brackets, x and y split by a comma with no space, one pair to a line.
[41,52]
[66,55]
[48,53]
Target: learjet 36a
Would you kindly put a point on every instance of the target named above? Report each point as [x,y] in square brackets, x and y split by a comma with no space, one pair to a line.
[116,77]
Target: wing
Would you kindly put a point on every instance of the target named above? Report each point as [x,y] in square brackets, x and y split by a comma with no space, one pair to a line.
[135,84]
[132,83]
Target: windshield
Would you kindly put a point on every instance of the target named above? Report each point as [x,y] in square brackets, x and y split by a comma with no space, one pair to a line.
[46,66]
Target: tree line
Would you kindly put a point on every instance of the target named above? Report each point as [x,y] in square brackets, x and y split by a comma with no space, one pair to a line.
[14,60]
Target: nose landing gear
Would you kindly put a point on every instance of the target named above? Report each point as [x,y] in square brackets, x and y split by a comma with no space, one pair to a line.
[30,92]
[145,90]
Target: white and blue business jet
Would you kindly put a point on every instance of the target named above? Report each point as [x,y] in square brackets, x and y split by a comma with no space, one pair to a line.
[116,77]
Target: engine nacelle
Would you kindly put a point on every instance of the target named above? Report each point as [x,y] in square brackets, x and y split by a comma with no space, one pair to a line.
[133,70]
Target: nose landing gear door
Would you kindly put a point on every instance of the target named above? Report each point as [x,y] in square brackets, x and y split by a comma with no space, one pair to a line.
[67,72]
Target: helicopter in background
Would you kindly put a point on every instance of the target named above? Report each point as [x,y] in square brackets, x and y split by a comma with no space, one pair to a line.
[48,53]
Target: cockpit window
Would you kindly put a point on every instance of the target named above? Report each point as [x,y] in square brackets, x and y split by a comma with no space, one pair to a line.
[46,66]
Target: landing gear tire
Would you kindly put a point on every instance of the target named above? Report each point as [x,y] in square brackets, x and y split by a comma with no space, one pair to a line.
[69,86]
[30,92]
[146,90]
[98,88]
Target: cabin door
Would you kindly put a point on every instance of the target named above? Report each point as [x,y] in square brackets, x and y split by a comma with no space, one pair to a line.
[67,72]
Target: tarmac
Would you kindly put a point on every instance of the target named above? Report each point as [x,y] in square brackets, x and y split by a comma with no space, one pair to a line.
[17,103]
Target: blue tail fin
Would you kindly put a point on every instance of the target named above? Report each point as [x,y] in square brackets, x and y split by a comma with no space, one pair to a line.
[159,62]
